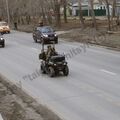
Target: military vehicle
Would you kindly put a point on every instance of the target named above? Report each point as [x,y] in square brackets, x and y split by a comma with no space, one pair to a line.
[54,65]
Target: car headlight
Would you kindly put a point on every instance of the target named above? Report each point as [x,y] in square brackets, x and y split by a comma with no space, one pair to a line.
[7,27]
[55,35]
[65,63]
[55,64]
[1,38]
[45,35]
[1,28]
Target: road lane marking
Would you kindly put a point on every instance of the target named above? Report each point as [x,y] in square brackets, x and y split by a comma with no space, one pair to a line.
[1,117]
[108,72]
[35,49]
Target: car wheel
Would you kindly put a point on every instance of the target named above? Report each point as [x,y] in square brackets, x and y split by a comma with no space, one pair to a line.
[51,72]
[66,71]
[42,41]
[35,39]
[42,70]
[3,45]
[56,41]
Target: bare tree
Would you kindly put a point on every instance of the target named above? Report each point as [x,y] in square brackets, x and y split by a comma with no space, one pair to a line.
[93,15]
[113,12]
[65,10]
[57,12]
[108,14]
[81,14]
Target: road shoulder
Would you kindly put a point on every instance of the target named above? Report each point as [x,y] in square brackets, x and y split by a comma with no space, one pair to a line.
[15,104]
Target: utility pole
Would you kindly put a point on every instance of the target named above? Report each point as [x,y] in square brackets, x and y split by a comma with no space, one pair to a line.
[8,14]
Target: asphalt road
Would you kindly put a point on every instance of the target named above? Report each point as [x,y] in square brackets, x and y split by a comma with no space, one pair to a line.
[90,92]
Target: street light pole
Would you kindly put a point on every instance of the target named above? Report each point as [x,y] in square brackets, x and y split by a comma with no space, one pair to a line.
[8,14]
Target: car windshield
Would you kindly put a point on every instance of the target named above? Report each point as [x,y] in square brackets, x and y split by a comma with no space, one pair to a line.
[46,30]
[3,24]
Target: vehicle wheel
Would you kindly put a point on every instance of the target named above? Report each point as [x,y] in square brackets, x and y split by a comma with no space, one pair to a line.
[3,45]
[66,71]
[42,70]
[35,39]
[51,72]
[56,72]
[42,41]
[56,41]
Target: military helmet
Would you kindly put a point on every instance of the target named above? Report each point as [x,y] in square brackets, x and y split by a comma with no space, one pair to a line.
[49,46]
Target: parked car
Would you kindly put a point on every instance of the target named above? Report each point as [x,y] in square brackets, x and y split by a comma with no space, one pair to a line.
[44,34]
[4,27]
[2,41]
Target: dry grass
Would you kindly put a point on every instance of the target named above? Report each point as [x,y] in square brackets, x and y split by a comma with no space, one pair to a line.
[71,24]
[92,36]
[15,104]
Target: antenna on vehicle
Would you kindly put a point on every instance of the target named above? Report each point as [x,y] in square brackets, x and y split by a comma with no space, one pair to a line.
[53,44]
[42,46]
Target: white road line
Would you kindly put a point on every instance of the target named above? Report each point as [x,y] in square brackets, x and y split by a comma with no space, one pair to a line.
[1,117]
[35,49]
[108,72]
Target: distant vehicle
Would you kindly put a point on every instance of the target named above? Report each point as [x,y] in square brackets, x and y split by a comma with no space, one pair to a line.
[2,41]
[4,27]
[44,34]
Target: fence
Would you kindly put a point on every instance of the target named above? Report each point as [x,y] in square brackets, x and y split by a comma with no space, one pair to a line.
[97,12]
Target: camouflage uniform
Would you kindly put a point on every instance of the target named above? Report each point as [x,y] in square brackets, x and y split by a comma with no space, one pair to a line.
[50,52]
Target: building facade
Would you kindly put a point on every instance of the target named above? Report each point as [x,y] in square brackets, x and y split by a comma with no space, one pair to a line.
[100,8]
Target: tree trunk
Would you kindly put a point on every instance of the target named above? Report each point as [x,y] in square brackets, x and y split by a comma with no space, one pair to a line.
[113,13]
[57,13]
[44,16]
[93,15]
[108,10]
[49,18]
[65,11]
[81,15]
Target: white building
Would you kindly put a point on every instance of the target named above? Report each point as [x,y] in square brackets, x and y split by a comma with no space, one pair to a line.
[118,8]
[86,6]
[75,8]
